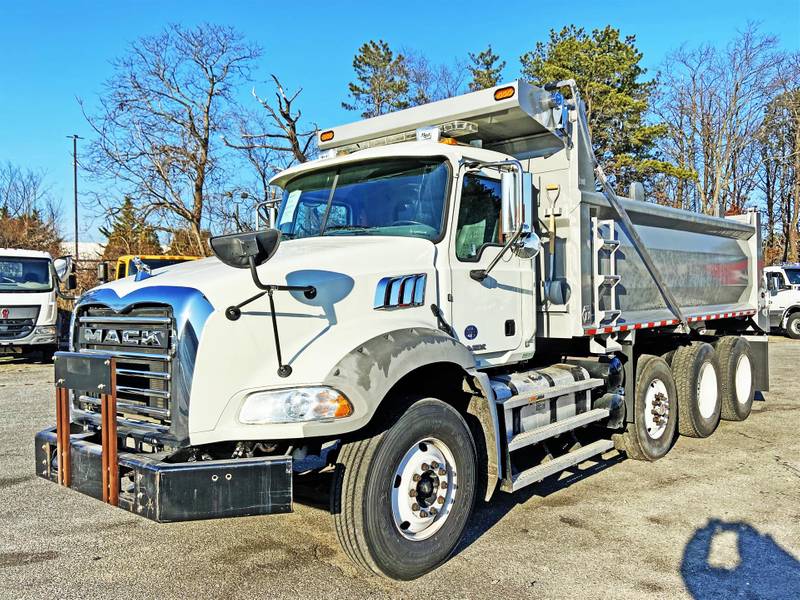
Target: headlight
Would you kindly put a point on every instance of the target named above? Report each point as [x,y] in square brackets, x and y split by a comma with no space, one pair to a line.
[45,330]
[294,406]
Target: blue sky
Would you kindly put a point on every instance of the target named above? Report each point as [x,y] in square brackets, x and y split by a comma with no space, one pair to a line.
[53,51]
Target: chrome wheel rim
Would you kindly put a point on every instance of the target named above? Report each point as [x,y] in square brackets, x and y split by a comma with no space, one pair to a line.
[656,409]
[424,489]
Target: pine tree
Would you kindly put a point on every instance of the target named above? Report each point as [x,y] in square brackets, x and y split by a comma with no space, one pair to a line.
[608,71]
[128,234]
[486,69]
[381,84]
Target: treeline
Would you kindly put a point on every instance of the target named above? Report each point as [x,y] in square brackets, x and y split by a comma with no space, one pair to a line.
[176,153]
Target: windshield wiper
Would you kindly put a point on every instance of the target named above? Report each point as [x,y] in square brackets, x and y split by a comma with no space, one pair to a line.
[348,228]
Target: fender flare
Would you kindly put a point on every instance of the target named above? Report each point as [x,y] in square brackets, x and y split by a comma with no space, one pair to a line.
[787,313]
[369,371]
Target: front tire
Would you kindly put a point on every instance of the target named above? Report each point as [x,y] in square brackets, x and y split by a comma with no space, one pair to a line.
[652,432]
[793,326]
[696,371]
[401,499]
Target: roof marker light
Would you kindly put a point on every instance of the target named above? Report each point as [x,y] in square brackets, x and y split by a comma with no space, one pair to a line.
[504,93]
[326,136]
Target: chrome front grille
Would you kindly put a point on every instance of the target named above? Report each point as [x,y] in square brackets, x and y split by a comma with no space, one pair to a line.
[142,343]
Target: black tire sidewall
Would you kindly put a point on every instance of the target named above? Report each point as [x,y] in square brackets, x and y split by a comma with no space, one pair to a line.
[647,370]
[393,554]
[704,426]
[731,356]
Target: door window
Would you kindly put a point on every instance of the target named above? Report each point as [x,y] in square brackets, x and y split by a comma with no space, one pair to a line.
[478,217]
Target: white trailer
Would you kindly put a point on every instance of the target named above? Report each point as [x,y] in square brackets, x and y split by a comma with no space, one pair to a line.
[453,301]
[28,301]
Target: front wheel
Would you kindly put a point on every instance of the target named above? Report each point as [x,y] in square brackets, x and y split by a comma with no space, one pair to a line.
[402,499]
[793,326]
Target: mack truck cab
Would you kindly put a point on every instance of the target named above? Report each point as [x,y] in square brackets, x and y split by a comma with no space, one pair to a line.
[783,287]
[29,313]
[452,302]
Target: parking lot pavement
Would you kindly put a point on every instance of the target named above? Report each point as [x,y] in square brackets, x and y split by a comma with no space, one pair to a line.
[715,518]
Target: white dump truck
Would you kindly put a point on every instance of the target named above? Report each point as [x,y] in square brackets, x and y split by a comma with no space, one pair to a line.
[28,300]
[453,302]
[783,288]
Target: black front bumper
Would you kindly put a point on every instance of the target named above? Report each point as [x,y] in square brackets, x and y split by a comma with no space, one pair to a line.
[167,492]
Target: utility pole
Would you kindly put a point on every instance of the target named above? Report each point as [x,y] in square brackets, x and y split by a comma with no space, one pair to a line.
[75,139]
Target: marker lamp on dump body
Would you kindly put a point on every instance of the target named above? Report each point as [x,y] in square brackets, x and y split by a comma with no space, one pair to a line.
[294,405]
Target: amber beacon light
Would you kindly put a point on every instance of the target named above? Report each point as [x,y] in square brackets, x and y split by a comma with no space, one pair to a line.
[327,136]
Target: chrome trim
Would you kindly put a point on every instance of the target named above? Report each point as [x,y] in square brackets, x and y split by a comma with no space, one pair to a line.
[125,389]
[148,374]
[403,291]
[133,426]
[136,355]
[127,320]
[122,406]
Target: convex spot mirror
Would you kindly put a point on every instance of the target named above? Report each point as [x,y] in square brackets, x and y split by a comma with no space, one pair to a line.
[236,249]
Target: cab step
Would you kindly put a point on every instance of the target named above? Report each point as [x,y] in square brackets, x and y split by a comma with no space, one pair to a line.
[557,428]
[539,472]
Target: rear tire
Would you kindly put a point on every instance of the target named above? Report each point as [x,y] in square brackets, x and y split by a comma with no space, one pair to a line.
[736,377]
[793,326]
[652,432]
[380,525]
[696,371]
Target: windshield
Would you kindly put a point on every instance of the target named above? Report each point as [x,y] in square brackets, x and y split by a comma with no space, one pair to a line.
[25,274]
[793,275]
[403,197]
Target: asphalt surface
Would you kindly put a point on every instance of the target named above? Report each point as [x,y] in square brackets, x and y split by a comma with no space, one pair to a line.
[716,518]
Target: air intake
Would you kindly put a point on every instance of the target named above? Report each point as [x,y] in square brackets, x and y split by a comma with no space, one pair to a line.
[404,291]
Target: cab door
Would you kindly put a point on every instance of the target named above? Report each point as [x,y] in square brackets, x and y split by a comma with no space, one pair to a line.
[486,315]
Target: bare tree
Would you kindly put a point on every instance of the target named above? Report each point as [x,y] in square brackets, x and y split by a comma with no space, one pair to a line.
[429,82]
[712,102]
[170,97]
[23,191]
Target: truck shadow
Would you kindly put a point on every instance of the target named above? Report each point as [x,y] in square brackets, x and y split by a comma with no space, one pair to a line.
[487,515]
[762,569]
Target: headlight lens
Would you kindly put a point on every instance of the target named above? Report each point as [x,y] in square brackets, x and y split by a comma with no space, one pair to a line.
[294,406]
[46,330]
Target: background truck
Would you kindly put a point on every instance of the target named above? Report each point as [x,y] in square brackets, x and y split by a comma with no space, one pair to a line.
[29,313]
[128,264]
[783,289]
[452,301]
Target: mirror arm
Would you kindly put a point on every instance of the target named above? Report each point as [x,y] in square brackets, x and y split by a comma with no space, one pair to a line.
[481,274]
[232,313]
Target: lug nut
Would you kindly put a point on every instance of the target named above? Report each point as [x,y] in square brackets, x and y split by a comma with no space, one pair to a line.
[412,493]
[443,485]
[433,511]
[440,500]
[423,514]
[415,507]
[442,472]
[415,477]
[434,465]
[426,467]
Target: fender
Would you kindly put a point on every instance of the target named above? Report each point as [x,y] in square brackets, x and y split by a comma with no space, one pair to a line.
[787,313]
[371,370]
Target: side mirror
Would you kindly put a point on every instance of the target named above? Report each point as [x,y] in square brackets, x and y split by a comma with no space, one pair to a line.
[516,202]
[102,272]
[63,267]
[246,250]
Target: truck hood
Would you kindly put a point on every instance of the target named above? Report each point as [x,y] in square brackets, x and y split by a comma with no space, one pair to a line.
[324,262]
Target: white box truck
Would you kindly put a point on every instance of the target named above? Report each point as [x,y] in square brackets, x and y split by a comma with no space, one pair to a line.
[28,301]
[453,302]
